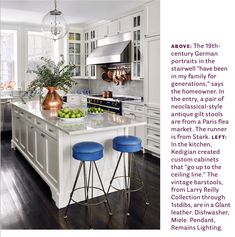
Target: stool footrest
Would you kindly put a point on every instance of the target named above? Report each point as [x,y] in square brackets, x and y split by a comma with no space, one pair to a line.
[141,184]
[86,203]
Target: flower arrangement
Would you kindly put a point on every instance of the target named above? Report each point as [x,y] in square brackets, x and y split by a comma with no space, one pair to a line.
[50,74]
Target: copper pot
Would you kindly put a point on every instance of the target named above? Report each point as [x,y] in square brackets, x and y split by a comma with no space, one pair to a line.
[109,94]
[104,94]
[52,100]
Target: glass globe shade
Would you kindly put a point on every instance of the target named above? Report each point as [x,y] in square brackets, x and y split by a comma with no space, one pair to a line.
[54,25]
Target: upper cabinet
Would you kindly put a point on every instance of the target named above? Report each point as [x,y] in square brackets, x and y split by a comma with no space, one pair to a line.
[137,46]
[102,31]
[152,18]
[74,51]
[125,24]
[113,28]
[89,46]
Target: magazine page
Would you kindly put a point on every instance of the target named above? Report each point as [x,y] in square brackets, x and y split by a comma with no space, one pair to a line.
[197,126]
[117,117]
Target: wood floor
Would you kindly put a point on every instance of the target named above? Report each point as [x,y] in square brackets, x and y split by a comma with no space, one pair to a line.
[26,199]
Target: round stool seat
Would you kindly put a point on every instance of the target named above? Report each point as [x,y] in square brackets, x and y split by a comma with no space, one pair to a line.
[127,144]
[88,151]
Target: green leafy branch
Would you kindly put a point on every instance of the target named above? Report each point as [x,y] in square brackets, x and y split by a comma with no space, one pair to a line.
[50,74]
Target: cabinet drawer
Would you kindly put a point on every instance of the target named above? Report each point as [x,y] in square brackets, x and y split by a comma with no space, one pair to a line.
[152,145]
[22,113]
[15,110]
[153,112]
[153,121]
[128,107]
[40,124]
[29,117]
[153,133]
[139,108]
[52,131]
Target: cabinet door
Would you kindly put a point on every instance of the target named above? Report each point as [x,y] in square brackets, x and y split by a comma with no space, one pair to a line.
[16,128]
[40,149]
[52,160]
[23,133]
[139,130]
[125,24]
[113,28]
[30,141]
[152,71]
[102,31]
[152,19]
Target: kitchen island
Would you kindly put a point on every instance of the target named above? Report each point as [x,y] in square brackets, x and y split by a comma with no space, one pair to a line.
[46,142]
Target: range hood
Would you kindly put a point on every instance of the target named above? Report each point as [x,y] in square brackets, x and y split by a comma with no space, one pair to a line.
[111,50]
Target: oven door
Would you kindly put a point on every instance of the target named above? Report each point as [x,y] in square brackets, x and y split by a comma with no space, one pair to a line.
[106,107]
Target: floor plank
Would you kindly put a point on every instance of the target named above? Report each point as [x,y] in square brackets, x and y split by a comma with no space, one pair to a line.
[26,201]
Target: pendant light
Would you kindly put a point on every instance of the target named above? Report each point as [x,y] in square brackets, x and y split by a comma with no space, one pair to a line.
[54,25]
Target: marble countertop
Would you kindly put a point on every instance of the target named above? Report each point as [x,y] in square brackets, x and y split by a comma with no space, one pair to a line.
[89,124]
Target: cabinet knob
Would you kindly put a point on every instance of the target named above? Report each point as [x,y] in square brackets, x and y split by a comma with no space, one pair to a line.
[42,135]
[50,130]
[31,127]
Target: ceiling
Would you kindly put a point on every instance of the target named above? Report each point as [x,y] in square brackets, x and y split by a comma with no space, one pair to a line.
[75,11]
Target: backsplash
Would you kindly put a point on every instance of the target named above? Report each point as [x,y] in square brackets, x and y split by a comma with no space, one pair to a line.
[132,88]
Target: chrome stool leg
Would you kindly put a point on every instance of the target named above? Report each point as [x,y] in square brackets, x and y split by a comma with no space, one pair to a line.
[145,194]
[109,209]
[74,185]
[129,183]
[111,181]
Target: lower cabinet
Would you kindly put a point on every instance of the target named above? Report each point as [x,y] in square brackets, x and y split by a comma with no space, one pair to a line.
[30,148]
[135,112]
[47,156]
[40,157]
[38,141]
[52,160]
[152,129]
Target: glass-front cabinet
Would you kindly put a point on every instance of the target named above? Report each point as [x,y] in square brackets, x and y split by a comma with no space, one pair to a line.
[137,61]
[90,45]
[74,51]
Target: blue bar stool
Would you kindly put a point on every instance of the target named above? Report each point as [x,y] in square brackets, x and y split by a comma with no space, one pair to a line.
[128,144]
[88,152]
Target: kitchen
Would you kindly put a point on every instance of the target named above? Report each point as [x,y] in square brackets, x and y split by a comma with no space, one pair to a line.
[117,68]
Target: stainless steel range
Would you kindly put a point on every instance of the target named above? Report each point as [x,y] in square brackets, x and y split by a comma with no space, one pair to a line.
[113,105]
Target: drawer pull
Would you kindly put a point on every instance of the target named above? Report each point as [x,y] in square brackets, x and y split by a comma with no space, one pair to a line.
[32,127]
[42,135]
[50,130]
[18,117]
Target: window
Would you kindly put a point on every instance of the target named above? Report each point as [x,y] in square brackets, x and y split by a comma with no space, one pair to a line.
[39,46]
[8,59]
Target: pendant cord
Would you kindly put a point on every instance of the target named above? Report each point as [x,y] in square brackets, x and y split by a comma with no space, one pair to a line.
[55,5]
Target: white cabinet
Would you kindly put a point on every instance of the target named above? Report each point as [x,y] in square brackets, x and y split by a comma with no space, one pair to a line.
[15,125]
[136,112]
[52,160]
[125,24]
[152,130]
[89,46]
[40,150]
[30,149]
[23,137]
[74,51]
[137,46]
[102,31]
[152,18]
[152,71]
[113,28]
